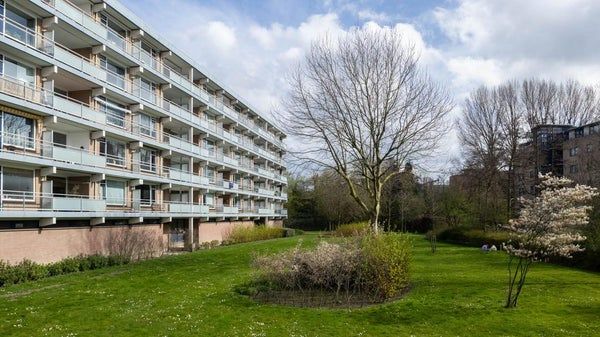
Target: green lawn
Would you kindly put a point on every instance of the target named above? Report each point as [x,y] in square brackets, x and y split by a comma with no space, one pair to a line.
[456,292]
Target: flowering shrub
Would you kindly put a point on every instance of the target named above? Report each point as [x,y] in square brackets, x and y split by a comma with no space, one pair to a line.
[547,226]
[376,267]
[352,229]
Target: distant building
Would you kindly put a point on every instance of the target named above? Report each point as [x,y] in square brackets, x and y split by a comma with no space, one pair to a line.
[542,155]
[563,150]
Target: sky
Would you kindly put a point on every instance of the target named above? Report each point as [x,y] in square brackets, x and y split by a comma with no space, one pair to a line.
[249,45]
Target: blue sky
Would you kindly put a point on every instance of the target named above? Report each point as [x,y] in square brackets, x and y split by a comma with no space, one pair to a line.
[250,45]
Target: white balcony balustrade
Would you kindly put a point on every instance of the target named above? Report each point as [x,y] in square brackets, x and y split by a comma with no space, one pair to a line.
[61,202]
[230,210]
[73,155]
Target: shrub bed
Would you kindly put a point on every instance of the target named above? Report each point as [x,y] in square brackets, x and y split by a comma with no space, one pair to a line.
[241,234]
[355,271]
[352,229]
[28,270]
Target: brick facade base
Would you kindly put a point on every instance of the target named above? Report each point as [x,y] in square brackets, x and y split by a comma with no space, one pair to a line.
[53,244]
[46,245]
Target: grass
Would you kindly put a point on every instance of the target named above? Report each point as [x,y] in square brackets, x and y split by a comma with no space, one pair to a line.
[456,292]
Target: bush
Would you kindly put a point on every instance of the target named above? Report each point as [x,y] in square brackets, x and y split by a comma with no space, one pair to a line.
[26,270]
[386,261]
[240,234]
[373,267]
[352,229]
[31,271]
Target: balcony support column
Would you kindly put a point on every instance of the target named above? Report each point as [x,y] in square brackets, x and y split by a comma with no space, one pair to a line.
[190,237]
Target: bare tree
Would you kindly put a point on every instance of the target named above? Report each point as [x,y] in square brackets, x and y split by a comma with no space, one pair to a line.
[568,103]
[539,98]
[360,102]
[511,125]
[577,104]
[481,135]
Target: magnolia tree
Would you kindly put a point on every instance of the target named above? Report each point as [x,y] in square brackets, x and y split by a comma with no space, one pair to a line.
[547,226]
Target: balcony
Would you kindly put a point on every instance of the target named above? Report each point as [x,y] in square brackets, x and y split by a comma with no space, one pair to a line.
[73,156]
[265,192]
[265,211]
[56,202]
[175,109]
[175,207]
[26,36]
[229,184]
[230,210]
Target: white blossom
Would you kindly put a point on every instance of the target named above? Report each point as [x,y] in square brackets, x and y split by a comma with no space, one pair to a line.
[547,224]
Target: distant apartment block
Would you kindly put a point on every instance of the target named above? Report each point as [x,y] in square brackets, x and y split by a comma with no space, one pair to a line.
[107,127]
[563,150]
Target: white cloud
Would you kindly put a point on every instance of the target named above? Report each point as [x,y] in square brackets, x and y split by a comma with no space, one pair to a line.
[220,35]
[555,39]
[370,15]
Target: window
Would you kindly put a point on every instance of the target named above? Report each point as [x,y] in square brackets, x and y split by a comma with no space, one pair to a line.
[147,125]
[573,151]
[59,186]
[589,148]
[147,90]
[146,194]
[20,26]
[115,73]
[148,160]
[210,146]
[114,192]
[17,184]
[59,139]
[579,133]
[116,34]
[573,169]
[209,199]
[148,55]
[18,71]
[115,112]
[114,152]
[180,196]
[209,173]
[18,131]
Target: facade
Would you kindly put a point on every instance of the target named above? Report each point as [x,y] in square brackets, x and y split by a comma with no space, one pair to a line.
[107,130]
[541,155]
[581,153]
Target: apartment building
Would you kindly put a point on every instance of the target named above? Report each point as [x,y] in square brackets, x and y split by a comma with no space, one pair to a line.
[106,128]
[563,150]
[543,154]
[581,153]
